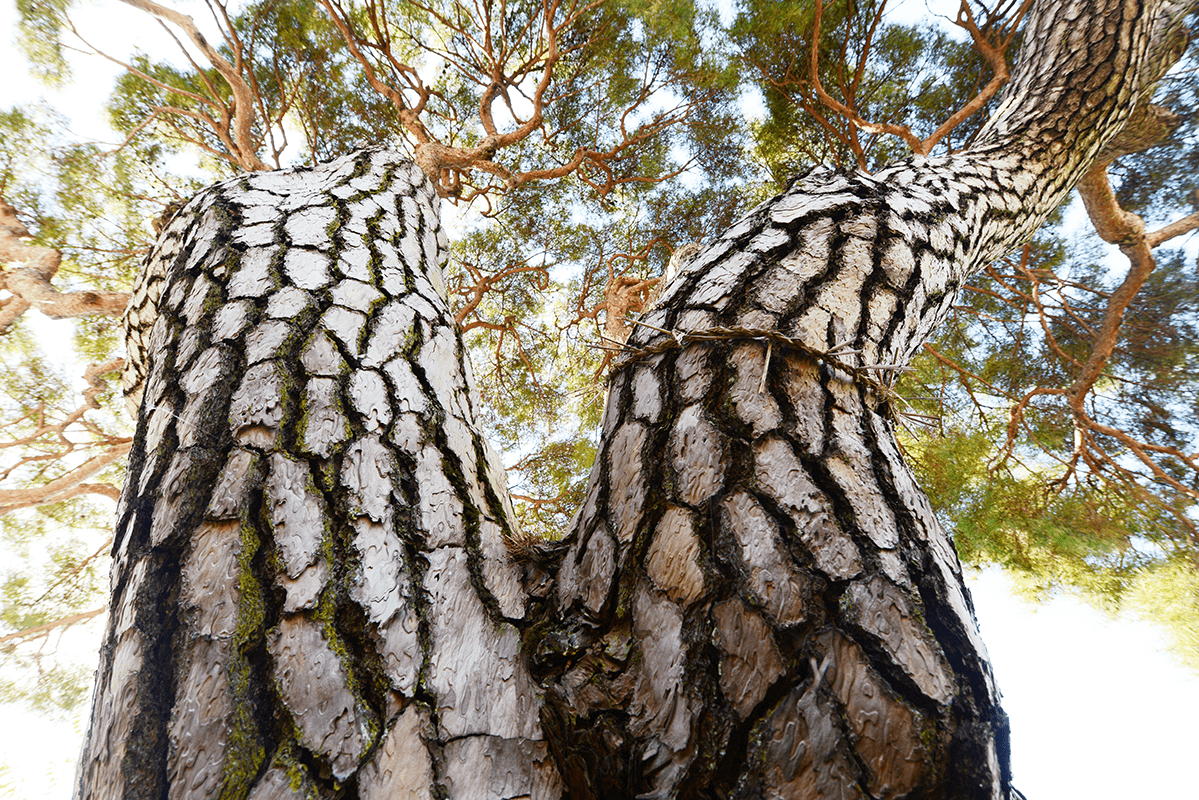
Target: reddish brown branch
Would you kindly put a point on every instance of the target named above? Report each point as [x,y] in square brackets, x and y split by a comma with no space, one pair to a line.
[902,131]
[1115,225]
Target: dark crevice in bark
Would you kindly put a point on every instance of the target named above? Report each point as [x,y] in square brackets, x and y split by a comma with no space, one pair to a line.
[826,375]
[592,764]
[954,642]
[893,674]
[144,767]
[928,580]
[732,767]
[887,347]
[313,768]
[373,235]
[875,283]
[361,660]
[452,468]
[844,515]
[265,705]
[418,566]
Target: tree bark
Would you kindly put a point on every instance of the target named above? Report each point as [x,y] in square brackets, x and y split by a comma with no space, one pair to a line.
[311,589]
[756,599]
[312,595]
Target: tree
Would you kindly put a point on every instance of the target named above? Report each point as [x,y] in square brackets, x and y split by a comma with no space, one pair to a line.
[603,674]
[89,207]
[1022,476]
[312,588]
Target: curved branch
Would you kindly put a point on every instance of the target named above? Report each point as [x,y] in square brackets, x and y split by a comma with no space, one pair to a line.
[243,97]
[1162,235]
[29,281]
[1117,226]
[408,117]
[41,261]
[994,56]
[40,294]
[902,131]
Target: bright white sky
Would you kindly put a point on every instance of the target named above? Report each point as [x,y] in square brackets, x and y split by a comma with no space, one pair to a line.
[1098,709]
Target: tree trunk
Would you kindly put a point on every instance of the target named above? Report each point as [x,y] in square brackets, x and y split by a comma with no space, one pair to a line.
[312,595]
[311,587]
[757,599]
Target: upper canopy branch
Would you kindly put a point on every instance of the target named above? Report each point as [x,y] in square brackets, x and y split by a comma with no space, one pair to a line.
[518,68]
[244,148]
[463,82]
[991,40]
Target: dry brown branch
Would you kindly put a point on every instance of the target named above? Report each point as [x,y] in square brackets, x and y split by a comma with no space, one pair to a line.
[993,54]
[65,487]
[540,501]
[487,57]
[73,482]
[44,297]
[956,367]
[1141,450]
[1115,225]
[168,114]
[45,629]
[409,115]
[624,294]
[42,262]
[474,293]
[1168,232]
[1035,297]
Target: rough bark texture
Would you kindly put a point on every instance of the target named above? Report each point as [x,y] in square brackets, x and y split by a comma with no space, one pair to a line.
[311,591]
[757,600]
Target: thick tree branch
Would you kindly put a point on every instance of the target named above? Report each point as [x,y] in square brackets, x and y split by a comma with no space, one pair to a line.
[41,262]
[243,96]
[1148,126]
[29,281]
[1177,228]
[40,294]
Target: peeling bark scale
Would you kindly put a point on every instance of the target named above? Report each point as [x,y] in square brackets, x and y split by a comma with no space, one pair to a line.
[312,594]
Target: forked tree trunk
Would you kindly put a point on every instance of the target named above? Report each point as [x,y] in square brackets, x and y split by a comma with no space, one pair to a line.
[311,592]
